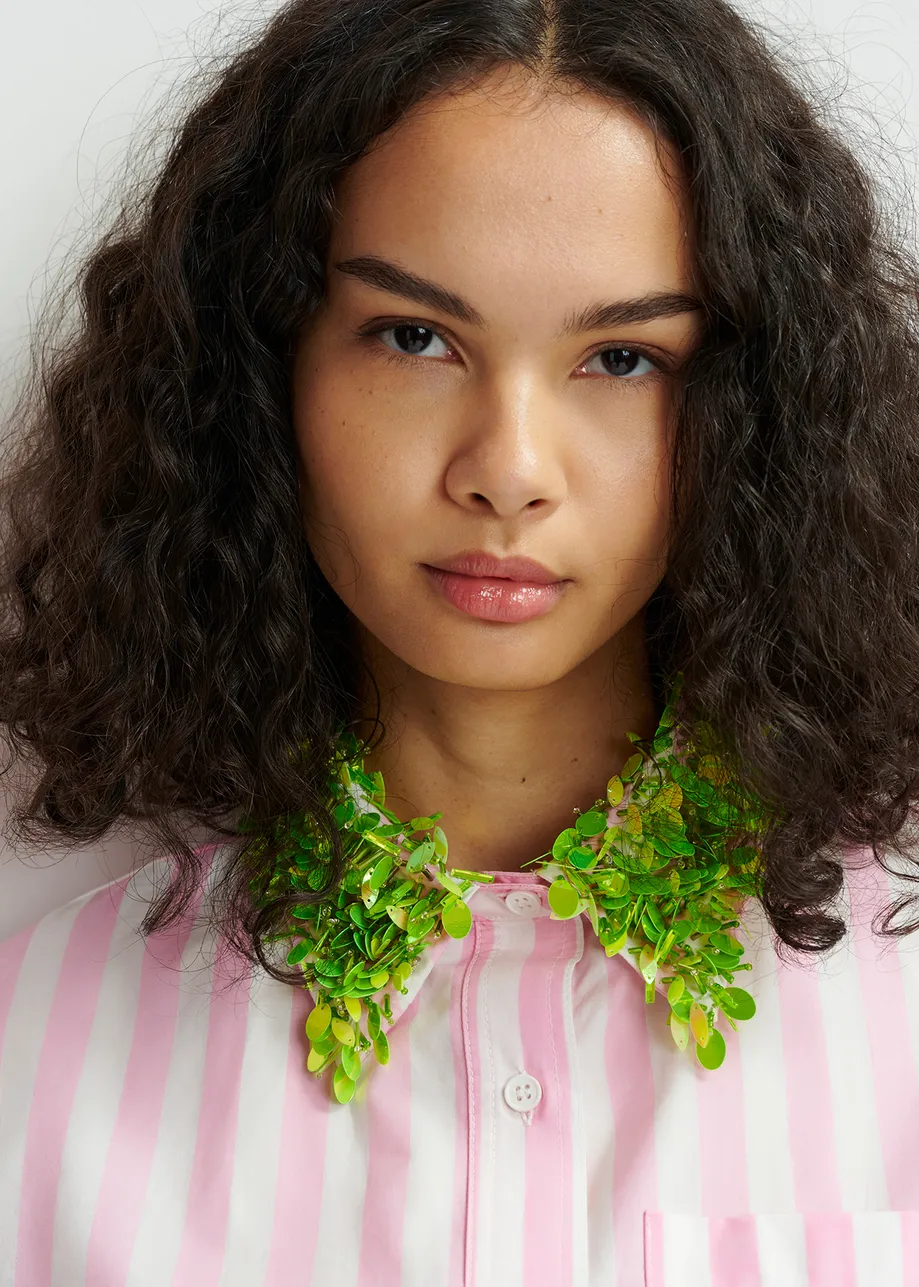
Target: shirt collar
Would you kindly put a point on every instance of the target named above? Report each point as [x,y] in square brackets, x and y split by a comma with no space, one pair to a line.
[426,960]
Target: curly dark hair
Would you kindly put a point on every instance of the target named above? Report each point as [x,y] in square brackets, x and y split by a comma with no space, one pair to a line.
[171,651]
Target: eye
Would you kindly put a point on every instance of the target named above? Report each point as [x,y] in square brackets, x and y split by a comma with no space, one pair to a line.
[622,364]
[415,338]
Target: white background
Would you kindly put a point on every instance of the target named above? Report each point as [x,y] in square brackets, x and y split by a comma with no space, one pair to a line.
[81,81]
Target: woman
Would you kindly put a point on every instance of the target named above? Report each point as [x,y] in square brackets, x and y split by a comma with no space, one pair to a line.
[481,492]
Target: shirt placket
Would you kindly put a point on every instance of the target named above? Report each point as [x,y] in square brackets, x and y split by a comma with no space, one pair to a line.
[520,1081]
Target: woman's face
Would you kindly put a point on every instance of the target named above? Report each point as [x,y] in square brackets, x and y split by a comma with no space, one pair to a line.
[496,409]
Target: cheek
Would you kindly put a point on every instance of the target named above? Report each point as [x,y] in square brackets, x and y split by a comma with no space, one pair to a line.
[331,424]
[631,482]
[355,477]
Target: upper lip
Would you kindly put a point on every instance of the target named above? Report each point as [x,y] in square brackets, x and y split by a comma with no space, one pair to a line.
[480,563]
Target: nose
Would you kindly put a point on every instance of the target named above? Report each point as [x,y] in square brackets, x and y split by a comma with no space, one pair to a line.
[509,463]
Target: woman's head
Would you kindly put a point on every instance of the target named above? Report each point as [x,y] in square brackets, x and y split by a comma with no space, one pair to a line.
[174,650]
[522,421]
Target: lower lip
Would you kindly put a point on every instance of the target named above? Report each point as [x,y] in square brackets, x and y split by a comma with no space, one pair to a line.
[492,599]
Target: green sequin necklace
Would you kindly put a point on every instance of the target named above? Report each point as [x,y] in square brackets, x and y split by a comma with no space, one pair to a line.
[647,864]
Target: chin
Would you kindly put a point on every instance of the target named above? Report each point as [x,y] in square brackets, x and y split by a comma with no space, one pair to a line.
[511,667]
[476,654]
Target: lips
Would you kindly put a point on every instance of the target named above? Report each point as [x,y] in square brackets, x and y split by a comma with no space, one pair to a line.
[499,590]
[478,563]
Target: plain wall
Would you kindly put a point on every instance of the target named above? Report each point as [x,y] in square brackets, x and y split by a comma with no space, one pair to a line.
[82,81]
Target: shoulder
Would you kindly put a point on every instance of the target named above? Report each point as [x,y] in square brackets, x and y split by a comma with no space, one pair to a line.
[55,972]
[97,1023]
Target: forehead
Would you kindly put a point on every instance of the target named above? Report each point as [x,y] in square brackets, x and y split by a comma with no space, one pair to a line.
[524,189]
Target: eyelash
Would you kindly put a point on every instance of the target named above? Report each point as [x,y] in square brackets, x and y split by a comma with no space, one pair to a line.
[404,359]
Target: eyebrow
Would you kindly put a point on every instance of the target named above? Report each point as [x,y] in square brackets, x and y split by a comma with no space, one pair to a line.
[383,275]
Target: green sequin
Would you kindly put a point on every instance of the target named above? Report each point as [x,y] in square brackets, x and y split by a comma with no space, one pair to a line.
[655,883]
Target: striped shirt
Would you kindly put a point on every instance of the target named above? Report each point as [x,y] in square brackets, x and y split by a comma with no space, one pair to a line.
[536,1126]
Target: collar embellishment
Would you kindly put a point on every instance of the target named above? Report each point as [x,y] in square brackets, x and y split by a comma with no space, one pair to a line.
[647,865]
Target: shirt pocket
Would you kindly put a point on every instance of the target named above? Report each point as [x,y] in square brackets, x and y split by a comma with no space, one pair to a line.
[765,1249]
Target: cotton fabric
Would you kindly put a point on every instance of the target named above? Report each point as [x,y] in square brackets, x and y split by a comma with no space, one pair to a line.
[158,1126]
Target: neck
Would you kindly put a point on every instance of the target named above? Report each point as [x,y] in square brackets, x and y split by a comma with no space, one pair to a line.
[506,769]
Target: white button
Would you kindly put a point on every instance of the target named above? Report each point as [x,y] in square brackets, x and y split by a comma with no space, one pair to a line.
[523,1092]
[524,902]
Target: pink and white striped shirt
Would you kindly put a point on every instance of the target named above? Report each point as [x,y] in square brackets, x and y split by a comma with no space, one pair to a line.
[536,1126]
